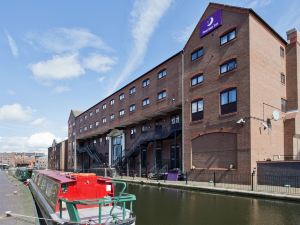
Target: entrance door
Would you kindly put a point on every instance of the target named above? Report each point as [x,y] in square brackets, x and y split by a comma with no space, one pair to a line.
[116,148]
[158,158]
[174,157]
[144,158]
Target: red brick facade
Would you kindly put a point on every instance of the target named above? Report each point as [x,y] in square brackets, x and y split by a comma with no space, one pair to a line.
[224,101]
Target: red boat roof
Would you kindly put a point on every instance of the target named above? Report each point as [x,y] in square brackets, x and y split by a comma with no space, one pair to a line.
[62,177]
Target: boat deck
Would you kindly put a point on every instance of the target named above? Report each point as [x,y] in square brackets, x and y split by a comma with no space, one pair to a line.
[91,215]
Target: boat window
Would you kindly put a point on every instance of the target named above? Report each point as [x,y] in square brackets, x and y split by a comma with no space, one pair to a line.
[43,184]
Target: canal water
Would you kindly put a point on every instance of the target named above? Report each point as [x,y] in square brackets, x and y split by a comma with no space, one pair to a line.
[164,206]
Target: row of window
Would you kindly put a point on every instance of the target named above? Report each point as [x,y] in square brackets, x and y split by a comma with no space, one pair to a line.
[231,35]
[228,104]
[132,91]
[174,120]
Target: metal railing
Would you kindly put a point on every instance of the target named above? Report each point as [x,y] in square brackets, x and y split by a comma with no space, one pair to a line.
[121,199]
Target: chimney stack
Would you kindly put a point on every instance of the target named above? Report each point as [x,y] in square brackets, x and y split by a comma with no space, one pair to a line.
[293,36]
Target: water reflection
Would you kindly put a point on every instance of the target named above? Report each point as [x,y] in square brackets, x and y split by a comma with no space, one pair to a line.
[162,206]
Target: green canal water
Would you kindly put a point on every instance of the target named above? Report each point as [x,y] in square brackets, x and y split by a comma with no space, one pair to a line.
[163,206]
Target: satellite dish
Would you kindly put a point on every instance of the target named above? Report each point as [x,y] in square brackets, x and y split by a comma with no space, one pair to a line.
[276,115]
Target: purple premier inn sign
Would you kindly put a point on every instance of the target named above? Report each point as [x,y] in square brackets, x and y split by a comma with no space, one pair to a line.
[211,23]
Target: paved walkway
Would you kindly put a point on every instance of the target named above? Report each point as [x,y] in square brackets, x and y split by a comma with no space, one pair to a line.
[275,192]
[15,197]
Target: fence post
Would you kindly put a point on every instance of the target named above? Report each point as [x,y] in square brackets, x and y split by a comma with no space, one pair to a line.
[214,178]
[105,172]
[186,178]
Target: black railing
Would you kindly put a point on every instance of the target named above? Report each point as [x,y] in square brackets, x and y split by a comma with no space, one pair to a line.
[92,152]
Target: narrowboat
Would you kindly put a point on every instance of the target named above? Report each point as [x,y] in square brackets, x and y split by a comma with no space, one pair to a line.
[80,198]
[21,173]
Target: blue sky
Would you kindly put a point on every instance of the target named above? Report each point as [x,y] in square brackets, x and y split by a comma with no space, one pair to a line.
[61,55]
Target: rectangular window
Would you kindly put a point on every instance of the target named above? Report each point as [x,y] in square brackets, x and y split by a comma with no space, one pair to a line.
[112,102]
[132,90]
[91,126]
[161,95]
[282,52]
[282,78]
[197,110]
[228,101]
[132,132]
[175,119]
[97,110]
[85,117]
[112,116]
[146,101]
[80,119]
[197,54]
[104,106]
[228,66]
[121,96]
[162,74]
[146,82]
[91,114]
[227,37]
[104,120]
[283,105]
[97,124]
[145,128]
[80,131]
[122,112]
[197,79]
[132,108]
[85,128]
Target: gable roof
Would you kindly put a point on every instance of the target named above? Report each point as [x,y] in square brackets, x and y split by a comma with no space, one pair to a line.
[76,112]
[242,10]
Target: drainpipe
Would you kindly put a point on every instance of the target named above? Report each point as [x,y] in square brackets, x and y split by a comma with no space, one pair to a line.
[182,111]
[75,154]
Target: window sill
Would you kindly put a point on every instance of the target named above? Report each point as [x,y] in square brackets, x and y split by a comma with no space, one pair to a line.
[192,87]
[145,106]
[161,100]
[227,115]
[228,43]
[221,75]
[195,60]
[196,122]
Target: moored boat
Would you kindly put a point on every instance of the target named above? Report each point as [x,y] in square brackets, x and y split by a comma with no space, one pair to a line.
[21,173]
[75,198]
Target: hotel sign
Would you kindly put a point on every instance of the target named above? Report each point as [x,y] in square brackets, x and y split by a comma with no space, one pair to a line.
[211,23]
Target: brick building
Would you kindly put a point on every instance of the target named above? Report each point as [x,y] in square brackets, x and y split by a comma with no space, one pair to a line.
[226,101]
[58,156]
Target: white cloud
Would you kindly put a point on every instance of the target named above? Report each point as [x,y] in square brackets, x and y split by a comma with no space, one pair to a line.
[60,40]
[58,68]
[98,63]
[145,16]
[101,79]
[13,144]
[35,142]
[15,112]
[61,89]
[41,140]
[12,45]
[257,3]
[183,35]
[39,121]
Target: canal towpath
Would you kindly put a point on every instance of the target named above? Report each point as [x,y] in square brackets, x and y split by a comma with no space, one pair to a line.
[16,198]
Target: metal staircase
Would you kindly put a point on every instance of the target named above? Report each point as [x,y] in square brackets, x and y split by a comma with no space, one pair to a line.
[145,139]
[93,153]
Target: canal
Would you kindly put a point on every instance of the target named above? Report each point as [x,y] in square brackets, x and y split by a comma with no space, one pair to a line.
[164,206]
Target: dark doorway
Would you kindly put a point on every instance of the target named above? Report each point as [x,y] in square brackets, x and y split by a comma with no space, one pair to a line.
[158,158]
[144,158]
[174,157]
